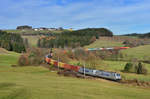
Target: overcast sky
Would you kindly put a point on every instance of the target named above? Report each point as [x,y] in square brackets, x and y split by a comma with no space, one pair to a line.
[120,16]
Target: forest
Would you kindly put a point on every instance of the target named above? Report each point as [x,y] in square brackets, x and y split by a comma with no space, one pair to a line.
[74,38]
[11,42]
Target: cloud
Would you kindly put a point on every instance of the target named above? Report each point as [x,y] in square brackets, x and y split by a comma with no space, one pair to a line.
[121,16]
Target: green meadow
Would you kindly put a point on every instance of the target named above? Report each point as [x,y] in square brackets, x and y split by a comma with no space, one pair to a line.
[36,82]
[140,52]
[104,43]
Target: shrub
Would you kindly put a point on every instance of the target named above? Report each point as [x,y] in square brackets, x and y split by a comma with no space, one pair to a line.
[110,55]
[60,55]
[134,68]
[128,67]
[141,69]
[23,60]
[80,54]
[34,56]
[92,61]
[89,59]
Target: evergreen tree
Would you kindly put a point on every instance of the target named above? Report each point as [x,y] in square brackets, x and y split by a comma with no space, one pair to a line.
[141,69]
[128,67]
[11,42]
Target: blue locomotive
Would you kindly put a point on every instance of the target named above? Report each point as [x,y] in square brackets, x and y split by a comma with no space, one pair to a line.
[100,73]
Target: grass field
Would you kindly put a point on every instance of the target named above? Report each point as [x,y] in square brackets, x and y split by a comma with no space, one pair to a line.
[39,83]
[118,66]
[32,40]
[115,41]
[141,52]
[32,31]
[103,43]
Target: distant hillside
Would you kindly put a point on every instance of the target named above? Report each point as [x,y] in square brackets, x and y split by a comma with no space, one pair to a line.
[147,35]
[140,35]
[99,31]
[33,32]
[140,53]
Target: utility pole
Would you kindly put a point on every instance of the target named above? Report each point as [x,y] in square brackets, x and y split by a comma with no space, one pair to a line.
[58,63]
[84,69]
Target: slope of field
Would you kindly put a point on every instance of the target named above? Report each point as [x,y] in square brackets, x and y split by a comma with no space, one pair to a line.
[104,43]
[39,83]
[32,31]
[115,41]
[3,51]
[118,66]
[141,52]
[32,40]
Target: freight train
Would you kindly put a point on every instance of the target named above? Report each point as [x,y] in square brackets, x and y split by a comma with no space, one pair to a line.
[95,73]
[111,48]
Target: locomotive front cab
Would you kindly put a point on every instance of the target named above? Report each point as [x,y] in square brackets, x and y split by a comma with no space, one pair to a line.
[118,76]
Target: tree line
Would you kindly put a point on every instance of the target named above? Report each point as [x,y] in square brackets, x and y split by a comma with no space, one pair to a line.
[11,42]
[140,35]
[74,38]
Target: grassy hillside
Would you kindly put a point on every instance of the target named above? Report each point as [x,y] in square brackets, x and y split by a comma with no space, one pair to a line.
[104,43]
[118,66]
[39,83]
[114,41]
[32,31]
[141,52]
[32,40]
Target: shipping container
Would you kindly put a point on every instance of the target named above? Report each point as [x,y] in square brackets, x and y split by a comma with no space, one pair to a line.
[60,64]
[55,63]
[67,66]
[74,68]
[52,62]
[47,60]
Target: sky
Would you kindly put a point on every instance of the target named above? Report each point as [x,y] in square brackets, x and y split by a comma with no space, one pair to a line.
[120,16]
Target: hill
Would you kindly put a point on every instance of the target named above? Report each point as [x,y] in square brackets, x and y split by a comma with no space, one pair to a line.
[114,41]
[33,32]
[3,51]
[140,52]
[99,31]
[140,35]
[74,38]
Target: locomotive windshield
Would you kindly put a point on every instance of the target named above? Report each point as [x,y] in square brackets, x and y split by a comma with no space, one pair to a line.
[118,74]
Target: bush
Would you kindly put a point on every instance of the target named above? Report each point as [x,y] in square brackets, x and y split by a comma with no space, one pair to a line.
[89,59]
[23,60]
[128,67]
[60,55]
[34,56]
[112,55]
[80,54]
[134,68]
[92,61]
[141,69]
